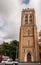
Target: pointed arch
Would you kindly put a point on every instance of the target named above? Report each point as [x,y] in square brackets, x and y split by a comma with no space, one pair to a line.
[29,57]
[26,19]
[28,32]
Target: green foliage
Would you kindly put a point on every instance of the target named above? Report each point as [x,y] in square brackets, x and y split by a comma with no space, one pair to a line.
[40,50]
[39,40]
[40,43]
[9,49]
[40,33]
[40,36]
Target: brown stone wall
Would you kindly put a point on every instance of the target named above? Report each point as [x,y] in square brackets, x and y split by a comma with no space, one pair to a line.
[32,38]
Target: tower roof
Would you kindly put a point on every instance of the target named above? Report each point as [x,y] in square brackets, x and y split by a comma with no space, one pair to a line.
[28,10]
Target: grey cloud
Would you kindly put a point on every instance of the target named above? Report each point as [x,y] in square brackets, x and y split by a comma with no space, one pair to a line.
[11,36]
[6,7]
[11,11]
[3,7]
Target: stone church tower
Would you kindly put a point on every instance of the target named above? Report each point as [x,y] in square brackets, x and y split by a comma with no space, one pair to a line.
[28,41]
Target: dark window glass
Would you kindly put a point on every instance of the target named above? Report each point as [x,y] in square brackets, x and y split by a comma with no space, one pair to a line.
[30,20]
[26,19]
[30,16]
[26,16]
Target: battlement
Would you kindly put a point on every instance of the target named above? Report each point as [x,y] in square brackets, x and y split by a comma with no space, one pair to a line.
[28,10]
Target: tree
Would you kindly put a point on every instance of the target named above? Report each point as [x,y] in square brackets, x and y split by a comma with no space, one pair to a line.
[9,49]
[14,47]
[40,36]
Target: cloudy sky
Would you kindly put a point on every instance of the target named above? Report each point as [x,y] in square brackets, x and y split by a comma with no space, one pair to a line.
[10,17]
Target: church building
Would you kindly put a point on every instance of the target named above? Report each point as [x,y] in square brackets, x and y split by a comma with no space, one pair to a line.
[28,37]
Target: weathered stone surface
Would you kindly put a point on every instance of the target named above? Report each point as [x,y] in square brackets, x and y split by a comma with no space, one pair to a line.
[28,37]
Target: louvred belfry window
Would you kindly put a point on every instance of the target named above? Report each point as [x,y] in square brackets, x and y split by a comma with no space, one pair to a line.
[26,19]
[30,19]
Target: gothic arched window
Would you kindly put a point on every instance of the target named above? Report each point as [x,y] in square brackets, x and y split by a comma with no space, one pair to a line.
[26,19]
[28,32]
[28,43]
[31,18]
